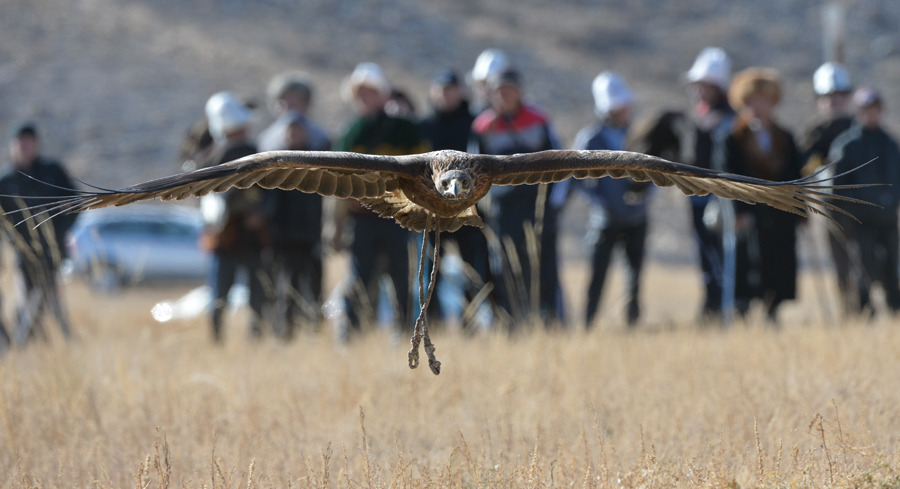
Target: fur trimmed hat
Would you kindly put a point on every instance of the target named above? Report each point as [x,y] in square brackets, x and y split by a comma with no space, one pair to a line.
[754,81]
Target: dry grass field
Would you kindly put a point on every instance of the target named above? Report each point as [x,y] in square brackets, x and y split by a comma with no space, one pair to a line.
[138,404]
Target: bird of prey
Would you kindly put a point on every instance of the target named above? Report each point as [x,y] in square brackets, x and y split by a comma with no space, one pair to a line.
[437,191]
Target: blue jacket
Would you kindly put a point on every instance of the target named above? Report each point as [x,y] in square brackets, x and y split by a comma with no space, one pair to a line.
[617,201]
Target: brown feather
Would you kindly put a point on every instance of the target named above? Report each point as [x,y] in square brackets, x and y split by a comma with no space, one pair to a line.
[405,187]
[799,197]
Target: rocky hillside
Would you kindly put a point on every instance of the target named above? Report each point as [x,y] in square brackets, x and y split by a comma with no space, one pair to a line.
[115,83]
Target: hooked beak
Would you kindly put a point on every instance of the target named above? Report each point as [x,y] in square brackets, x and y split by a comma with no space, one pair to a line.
[455,185]
[454,188]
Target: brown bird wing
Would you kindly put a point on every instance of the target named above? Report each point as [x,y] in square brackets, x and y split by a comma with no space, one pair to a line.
[341,174]
[801,197]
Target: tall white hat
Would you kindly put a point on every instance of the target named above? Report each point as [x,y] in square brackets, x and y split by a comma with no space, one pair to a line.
[226,112]
[489,62]
[712,66]
[831,77]
[611,92]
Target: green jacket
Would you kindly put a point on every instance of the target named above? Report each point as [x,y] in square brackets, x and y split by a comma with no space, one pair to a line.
[383,135]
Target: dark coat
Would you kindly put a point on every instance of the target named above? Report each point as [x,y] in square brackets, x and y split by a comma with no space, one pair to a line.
[295,218]
[449,129]
[766,255]
[858,146]
[381,134]
[819,136]
[46,178]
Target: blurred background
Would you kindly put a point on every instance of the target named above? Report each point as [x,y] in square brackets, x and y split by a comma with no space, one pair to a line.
[115,84]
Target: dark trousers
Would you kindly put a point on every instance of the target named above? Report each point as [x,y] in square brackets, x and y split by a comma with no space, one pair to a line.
[41,292]
[225,267]
[709,248]
[296,273]
[473,251]
[845,273]
[551,290]
[379,246]
[632,238]
[511,262]
[877,244]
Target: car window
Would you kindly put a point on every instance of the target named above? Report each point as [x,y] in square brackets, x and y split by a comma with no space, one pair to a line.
[125,227]
[176,230]
[157,229]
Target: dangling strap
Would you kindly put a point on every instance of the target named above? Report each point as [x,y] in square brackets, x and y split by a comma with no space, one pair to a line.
[421,329]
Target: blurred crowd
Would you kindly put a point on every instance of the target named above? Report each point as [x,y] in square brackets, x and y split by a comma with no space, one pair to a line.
[507,273]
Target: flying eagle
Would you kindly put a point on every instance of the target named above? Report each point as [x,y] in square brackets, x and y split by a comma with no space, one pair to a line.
[438,190]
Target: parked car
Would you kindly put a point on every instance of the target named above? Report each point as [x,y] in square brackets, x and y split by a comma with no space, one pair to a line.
[113,247]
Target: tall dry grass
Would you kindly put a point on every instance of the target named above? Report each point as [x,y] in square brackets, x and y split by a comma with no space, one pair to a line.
[138,404]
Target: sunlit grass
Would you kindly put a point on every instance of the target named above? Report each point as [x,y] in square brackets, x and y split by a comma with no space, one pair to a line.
[138,404]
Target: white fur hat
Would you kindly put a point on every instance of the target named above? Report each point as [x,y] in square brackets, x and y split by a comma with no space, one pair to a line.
[611,92]
[712,66]
[226,112]
[831,77]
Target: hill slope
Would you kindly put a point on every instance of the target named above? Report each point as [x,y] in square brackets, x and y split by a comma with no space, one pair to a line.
[116,83]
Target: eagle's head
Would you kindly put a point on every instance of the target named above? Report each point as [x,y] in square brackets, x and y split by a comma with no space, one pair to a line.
[454,184]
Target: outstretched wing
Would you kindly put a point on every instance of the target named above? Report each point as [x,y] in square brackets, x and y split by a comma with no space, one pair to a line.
[341,174]
[802,196]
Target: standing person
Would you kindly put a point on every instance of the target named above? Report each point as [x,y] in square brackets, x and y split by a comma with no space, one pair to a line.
[450,127]
[379,245]
[295,224]
[289,97]
[760,147]
[237,232]
[517,214]
[39,250]
[618,205]
[874,238]
[711,117]
[832,87]
[295,218]
[834,114]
